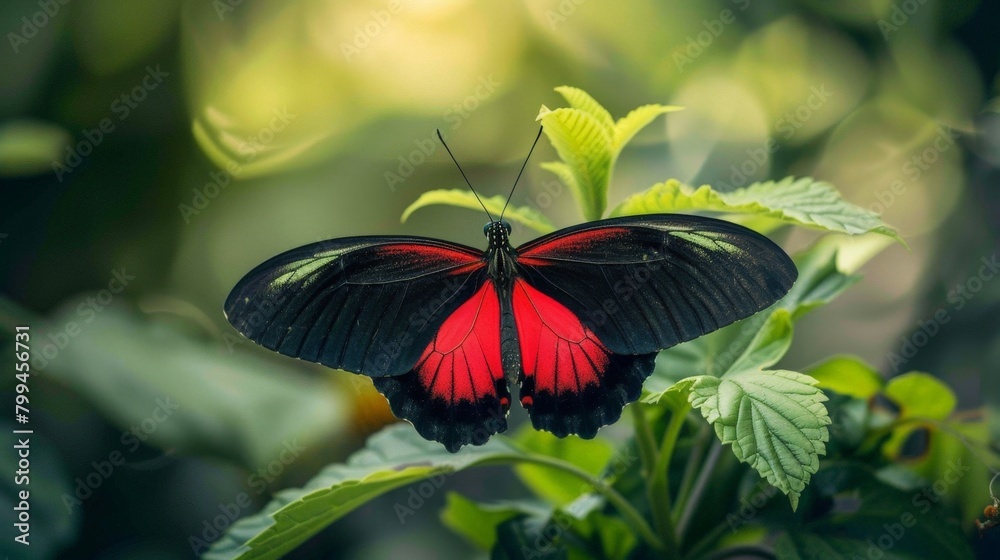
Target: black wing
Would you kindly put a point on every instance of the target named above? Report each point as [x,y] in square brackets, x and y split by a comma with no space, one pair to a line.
[369,305]
[595,302]
[645,283]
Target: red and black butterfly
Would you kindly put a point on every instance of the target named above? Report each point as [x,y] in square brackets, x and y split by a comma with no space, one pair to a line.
[575,317]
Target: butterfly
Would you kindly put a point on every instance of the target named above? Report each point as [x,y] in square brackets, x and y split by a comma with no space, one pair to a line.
[575,318]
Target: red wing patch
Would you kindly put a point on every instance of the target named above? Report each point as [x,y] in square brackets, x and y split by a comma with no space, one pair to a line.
[456,393]
[432,256]
[462,363]
[557,351]
[538,252]
[572,383]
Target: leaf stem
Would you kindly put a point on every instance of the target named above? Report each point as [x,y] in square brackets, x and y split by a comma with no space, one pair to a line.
[600,486]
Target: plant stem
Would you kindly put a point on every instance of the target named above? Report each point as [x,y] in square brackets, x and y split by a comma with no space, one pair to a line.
[613,496]
[690,471]
[643,439]
[658,485]
[699,487]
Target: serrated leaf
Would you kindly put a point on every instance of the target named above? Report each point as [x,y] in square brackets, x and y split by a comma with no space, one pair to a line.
[774,420]
[590,455]
[804,201]
[467,199]
[636,120]
[579,99]
[588,141]
[394,457]
[584,145]
[847,375]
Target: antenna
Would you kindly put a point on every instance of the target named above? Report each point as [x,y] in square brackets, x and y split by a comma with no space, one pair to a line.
[525,164]
[463,174]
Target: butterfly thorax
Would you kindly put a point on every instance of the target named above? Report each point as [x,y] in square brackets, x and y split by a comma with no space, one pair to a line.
[500,255]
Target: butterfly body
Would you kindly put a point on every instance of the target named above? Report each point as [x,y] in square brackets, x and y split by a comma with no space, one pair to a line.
[575,318]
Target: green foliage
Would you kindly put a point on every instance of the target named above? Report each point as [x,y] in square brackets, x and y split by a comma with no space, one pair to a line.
[495,204]
[588,140]
[185,385]
[804,201]
[590,455]
[393,458]
[591,500]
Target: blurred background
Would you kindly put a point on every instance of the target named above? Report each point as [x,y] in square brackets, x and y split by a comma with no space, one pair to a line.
[153,151]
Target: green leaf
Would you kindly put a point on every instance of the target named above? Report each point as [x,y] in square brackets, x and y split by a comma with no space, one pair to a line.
[636,120]
[764,349]
[775,421]
[920,394]
[467,199]
[394,457]
[847,375]
[584,145]
[579,99]
[822,276]
[588,142]
[804,201]
[236,405]
[674,397]
[590,455]
[478,522]
[769,345]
